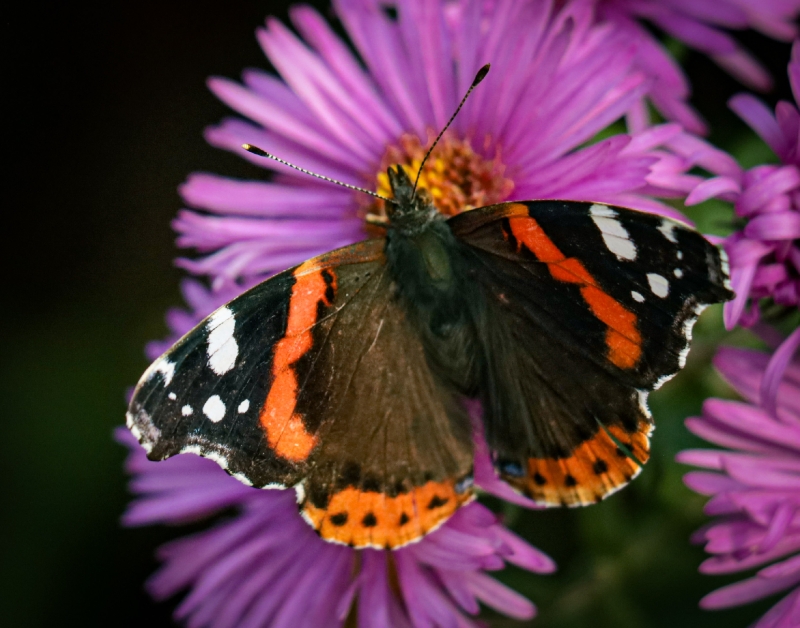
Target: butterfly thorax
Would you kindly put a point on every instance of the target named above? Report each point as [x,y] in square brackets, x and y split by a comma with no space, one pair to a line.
[432,283]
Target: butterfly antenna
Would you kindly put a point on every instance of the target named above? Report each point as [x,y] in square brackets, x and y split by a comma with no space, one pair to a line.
[262,153]
[478,78]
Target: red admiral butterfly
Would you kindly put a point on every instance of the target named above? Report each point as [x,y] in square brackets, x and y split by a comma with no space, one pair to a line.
[343,377]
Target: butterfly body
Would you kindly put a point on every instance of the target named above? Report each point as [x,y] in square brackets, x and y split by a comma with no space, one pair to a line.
[346,376]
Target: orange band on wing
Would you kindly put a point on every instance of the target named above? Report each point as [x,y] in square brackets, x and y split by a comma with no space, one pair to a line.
[372,519]
[596,469]
[623,339]
[286,432]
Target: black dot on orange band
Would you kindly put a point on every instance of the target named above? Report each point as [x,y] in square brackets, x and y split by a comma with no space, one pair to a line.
[437,502]
[339,519]
[599,467]
[404,519]
[369,520]
[621,453]
[539,479]
[569,480]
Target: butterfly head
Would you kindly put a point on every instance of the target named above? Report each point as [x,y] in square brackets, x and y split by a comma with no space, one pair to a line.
[407,204]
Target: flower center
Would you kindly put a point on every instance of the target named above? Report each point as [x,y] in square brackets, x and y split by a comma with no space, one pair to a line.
[455,176]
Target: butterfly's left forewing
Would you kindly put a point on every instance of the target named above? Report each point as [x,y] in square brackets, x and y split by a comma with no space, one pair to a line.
[206,393]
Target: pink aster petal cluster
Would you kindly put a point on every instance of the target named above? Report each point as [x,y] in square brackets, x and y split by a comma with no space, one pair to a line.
[764,255]
[558,78]
[266,566]
[753,482]
[703,25]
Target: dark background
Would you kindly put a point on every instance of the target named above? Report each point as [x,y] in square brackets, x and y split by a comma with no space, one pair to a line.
[106,112]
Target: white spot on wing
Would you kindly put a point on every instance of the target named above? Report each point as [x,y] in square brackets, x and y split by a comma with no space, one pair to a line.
[679,254]
[615,236]
[667,228]
[222,348]
[637,296]
[300,491]
[602,210]
[244,406]
[273,486]
[214,409]
[726,268]
[678,273]
[662,380]
[166,368]
[187,410]
[242,478]
[658,285]
[172,396]
[687,333]
[643,402]
[221,460]
[142,428]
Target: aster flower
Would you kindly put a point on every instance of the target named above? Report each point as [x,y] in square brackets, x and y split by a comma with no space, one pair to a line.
[557,80]
[764,255]
[702,25]
[266,566]
[754,482]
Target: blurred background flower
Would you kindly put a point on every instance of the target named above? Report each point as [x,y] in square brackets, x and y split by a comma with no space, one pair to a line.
[703,25]
[754,482]
[764,253]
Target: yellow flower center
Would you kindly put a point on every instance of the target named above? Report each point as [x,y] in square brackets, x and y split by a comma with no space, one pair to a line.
[455,177]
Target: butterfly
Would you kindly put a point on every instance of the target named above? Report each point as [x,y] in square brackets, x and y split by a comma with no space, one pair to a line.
[345,377]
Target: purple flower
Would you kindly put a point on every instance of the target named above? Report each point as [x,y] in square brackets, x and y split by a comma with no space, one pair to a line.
[557,80]
[754,483]
[764,255]
[265,566]
[702,25]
